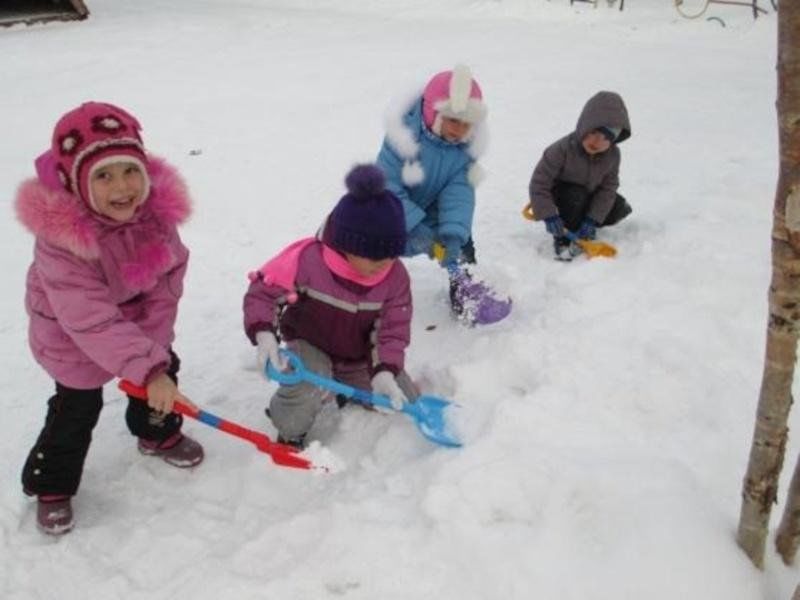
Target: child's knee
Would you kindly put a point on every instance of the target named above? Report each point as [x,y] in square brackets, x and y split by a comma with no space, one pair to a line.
[293,409]
[619,211]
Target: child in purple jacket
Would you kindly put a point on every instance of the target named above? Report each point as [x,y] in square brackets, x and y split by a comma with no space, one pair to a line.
[102,296]
[342,303]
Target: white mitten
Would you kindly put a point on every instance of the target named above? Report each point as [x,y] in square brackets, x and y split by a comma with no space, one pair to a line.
[268,350]
[384,383]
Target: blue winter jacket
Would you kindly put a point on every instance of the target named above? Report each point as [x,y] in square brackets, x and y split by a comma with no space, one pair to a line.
[442,204]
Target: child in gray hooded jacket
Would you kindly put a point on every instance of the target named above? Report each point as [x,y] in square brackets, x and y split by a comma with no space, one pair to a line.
[574,185]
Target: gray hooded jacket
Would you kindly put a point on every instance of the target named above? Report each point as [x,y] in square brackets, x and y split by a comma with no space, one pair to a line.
[566,160]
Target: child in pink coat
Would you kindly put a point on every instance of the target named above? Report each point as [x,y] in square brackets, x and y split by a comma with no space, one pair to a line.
[102,296]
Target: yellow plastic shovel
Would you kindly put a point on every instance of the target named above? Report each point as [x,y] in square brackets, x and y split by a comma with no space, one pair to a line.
[591,248]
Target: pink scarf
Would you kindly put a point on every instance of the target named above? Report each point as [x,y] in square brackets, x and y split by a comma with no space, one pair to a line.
[338,265]
[281,270]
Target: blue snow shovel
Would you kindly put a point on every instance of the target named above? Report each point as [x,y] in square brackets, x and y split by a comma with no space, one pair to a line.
[427,411]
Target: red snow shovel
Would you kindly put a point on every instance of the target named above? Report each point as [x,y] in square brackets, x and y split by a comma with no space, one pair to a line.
[281,454]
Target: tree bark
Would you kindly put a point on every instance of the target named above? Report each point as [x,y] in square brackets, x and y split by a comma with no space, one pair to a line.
[788,537]
[775,398]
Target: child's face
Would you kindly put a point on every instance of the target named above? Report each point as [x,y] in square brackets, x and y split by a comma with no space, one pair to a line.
[118,190]
[454,130]
[367,267]
[595,142]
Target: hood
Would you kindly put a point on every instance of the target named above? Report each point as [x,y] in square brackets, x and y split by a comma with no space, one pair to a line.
[604,109]
[404,126]
[63,220]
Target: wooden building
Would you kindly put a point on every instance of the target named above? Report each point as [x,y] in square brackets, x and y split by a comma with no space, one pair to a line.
[39,11]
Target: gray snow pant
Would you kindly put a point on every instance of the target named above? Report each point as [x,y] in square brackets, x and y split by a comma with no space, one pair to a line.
[293,408]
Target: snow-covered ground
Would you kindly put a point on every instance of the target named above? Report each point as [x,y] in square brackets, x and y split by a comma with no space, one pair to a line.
[606,422]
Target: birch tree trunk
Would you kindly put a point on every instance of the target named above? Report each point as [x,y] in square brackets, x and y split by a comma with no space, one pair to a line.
[775,398]
[788,536]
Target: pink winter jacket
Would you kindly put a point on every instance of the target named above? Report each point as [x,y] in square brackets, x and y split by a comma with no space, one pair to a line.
[102,296]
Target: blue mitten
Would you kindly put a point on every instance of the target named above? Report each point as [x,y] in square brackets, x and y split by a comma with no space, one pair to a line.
[555,226]
[587,229]
[420,240]
[452,250]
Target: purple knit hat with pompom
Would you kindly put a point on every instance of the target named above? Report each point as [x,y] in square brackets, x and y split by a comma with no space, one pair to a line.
[369,220]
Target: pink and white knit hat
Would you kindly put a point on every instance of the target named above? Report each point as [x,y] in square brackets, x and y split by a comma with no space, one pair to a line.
[91,136]
[453,94]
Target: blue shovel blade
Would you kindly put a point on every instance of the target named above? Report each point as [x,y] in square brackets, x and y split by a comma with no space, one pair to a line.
[428,414]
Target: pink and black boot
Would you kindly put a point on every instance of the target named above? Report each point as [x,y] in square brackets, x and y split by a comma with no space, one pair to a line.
[178,450]
[54,514]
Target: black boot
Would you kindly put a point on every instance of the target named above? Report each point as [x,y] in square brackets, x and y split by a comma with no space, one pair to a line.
[298,442]
[565,249]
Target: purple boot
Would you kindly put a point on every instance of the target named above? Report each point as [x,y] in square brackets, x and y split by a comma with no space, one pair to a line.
[474,302]
[178,450]
[54,514]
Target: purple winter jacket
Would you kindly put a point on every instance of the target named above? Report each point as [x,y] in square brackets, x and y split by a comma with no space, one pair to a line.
[348,321]
[102,296]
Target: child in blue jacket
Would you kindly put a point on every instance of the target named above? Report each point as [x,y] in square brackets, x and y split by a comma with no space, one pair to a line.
[429,156]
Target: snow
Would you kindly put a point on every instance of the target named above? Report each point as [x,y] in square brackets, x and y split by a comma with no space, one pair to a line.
[606,422]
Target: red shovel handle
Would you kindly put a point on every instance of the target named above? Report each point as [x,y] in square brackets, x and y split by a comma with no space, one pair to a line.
[140,392]
[281,454]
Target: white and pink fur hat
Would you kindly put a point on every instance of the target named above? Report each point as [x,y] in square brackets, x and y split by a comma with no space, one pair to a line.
[453,94]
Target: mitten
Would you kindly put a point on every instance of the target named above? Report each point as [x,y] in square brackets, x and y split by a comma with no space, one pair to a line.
[420,240]
[268,349]
[385,384]
[587,229]
[554,225]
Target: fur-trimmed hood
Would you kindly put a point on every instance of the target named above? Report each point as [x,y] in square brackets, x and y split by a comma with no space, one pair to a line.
[63,220]
[405,128]
[404,125]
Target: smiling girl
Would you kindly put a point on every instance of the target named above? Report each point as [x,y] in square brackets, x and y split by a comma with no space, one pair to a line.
[102,296]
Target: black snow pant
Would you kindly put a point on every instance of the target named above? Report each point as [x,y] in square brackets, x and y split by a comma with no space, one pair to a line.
[573,202]
[55,463]
[467,257]
[468,252]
